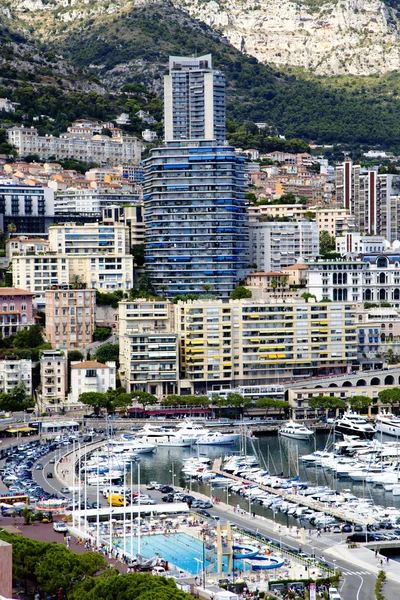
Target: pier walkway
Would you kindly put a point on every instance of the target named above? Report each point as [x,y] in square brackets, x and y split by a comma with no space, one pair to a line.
[337,513]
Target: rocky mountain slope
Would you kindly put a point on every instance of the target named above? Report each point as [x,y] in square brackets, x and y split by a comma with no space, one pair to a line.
[326,37]
[125,41]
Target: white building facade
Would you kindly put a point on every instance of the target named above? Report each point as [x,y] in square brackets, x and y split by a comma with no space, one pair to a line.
[275,244]
[13,372]
[91,376]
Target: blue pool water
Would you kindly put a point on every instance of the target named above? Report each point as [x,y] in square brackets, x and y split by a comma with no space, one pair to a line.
[179,549]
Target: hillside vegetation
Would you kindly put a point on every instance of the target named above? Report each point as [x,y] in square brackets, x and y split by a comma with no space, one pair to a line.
[132,45]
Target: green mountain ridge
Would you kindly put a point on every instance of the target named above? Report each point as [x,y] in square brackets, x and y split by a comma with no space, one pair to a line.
[131,44]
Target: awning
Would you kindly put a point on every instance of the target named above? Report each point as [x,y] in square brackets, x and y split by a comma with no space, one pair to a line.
[21,429]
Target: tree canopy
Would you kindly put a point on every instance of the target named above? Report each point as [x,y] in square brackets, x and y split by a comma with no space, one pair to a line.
[51,566]
[359,402]
[241,292]
[110,400]
[389,396]
[108,352]
[327,402]
[136,586]
[29,338]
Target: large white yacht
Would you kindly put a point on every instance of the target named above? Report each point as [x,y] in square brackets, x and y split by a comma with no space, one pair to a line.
[355,425]
[164,437]
[201,434]
[128,445]
[388,423]
[294,430]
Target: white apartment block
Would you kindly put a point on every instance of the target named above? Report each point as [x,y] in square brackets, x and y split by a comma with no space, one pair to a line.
[99,148]
[18,200]
[91,238]
[275,244]
[91,376]
[53,377]
[370,278]
[90,202]
[149,351]
[26,246]
[37,273]
[356,243]
[13,372]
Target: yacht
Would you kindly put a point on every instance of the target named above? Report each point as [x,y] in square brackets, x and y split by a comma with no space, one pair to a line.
[294,430]
[388,423]
[196,431]
[129,446]
[355,425]
[164,437]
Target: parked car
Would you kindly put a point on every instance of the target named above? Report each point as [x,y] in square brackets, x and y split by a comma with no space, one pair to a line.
[167,489]
[167,498]
[60,527]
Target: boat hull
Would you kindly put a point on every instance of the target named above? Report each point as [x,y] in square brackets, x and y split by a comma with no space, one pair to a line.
[295,436]
[387,429]
[365,435]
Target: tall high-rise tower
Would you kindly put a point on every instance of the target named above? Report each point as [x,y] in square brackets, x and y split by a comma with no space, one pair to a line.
[194,100]
[196,225]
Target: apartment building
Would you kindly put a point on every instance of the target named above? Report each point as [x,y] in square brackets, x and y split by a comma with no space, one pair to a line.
[248,342]
[92,238]
[76,144]
[70,316]
[356,243]
[369,278]
[371,197]
[194,100]
[14,371]
[275,244]
[195,218]
[37,273]
[91,376]
[28,208]
[336,221]
[131,216]
[27,246]
[16,311]
[53,377]
[98,254]
[149,349]
[91,202]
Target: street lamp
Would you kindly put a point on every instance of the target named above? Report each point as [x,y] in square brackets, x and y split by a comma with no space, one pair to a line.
[173,475]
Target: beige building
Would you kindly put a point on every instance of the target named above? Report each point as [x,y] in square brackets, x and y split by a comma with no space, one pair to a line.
[54,378]
[297,274]
[98,254]
[336,221]
[252,342]
[70,316]
[76,144]
[149,350]
[131,216]
[27,246]
[91,376]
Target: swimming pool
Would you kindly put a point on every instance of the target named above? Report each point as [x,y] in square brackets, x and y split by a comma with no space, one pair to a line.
[180,549]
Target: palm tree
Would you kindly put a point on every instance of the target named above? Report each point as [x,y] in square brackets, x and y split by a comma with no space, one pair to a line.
[11,228]
[76,282]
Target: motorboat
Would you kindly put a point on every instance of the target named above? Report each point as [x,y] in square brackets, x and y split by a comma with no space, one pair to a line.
[164,437]
[214,438]
[296,431]
[388,423]
[196,431]
[355,425]
[130,446]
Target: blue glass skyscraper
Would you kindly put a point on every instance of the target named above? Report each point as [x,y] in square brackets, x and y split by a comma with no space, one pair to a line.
[195,215]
